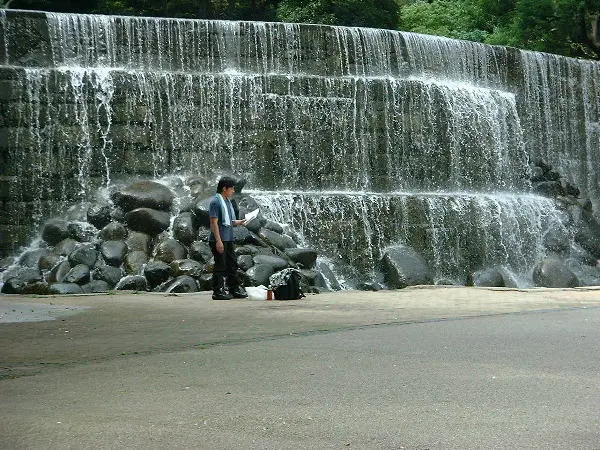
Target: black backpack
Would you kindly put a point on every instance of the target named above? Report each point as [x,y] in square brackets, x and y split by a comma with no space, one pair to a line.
[291,289]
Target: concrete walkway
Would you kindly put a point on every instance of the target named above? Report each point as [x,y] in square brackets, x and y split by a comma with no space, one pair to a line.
[414,368]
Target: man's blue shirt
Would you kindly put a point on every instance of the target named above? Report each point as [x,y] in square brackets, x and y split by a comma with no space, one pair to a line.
[214,210]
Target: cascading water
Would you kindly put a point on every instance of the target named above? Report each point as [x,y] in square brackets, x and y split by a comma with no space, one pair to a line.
[494,229]
[375,137]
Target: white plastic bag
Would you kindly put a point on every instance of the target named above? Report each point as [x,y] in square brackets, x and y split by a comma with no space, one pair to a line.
[256,292]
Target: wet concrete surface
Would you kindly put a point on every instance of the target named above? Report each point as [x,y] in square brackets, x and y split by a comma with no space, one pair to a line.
[413,368]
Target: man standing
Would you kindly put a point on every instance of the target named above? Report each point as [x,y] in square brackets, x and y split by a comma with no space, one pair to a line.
[221,240]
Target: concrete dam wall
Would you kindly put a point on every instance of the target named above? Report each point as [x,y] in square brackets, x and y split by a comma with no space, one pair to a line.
[359,138]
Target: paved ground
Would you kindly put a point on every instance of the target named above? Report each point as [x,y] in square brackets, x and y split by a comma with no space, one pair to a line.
[415,368]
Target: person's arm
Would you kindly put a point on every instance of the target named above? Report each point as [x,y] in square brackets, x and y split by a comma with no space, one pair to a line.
[237,223]
[214,227]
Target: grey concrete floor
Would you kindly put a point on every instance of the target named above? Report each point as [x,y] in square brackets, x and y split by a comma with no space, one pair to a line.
[417,368]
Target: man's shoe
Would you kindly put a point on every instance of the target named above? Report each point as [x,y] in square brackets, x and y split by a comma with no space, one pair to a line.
[221,294]
[239,292]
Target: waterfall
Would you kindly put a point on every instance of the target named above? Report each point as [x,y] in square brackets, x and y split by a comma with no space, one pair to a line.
[456,232]
[560,109]
[410,139]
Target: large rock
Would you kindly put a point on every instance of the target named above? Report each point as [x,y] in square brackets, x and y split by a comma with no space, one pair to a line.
[144,194]
[553,273]
[111,275]
[186,267]
[148,220]
[402,266]
[29,274]
[137,241]
[259,274]
[242,235]
[200,214]
[170,250]
[557,239]
[245,262]
[252,250]
[82,231]
[47,262]
[95,287]
[37,288]
[13,286]
[183,228]
[113,252]
[18,277]
[157,272]
[200,251]
[65,247]
[182,284]
[132,283]
[80,274]
[256,224]
[305,256]
[55,230]
[99,215]
[57,273]
[274,261]
[84,254]
[273,226]
[65,288]
[113,231]
[281,241]
[586,274]
[490,277]
[255,240]
[134,261]
[588,233]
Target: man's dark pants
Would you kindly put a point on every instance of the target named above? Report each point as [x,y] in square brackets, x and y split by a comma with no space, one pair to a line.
[225,266]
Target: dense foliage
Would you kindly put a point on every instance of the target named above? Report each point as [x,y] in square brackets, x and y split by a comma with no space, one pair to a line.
[357,13]
[567,27]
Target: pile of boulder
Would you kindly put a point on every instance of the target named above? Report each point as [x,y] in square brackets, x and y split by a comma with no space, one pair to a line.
[134,241]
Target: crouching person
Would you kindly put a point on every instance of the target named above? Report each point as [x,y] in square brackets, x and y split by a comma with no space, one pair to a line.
[226,283]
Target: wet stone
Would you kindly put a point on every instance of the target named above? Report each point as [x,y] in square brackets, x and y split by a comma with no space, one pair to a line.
[55,230]
[132,283]
[85,254]
[147,220]
[114,231]
[99,215]
[157,272]
[113,252]
[111,275]
[79,274]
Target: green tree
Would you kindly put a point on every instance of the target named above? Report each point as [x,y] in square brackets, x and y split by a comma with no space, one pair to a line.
[358,13]
[201,9]
[458,19]
[77,6]
[557,26]
[554,26]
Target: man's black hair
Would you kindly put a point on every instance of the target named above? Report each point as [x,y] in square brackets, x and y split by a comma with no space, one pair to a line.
[225,182]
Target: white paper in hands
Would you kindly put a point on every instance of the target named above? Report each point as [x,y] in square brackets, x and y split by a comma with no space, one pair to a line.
[251,215]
